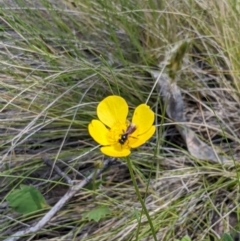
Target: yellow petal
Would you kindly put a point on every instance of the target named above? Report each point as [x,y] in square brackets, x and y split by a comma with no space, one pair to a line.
[143,118]
[112,109]
[111,151]
[98,132]
[133,143]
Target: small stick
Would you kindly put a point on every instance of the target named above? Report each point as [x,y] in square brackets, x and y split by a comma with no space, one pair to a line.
[69,194]
[49,163]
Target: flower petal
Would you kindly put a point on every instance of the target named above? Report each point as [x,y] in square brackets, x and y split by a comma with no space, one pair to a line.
[112,109]
[111,151]
[133,143]
[98,132]
[143,118]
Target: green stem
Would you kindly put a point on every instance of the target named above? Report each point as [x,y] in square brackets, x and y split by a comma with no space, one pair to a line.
[140,198]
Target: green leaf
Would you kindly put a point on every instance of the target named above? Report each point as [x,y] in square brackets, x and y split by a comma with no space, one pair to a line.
[226,237]
[97,213]
[185,238]
[25,200]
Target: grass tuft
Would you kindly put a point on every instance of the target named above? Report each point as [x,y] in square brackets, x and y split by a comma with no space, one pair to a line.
[60,58]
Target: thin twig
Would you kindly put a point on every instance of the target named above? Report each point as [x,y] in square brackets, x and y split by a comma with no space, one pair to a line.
[72,169]
[71,192]
[49,163]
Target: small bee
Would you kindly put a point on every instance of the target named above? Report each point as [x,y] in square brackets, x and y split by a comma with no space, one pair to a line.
[130,129]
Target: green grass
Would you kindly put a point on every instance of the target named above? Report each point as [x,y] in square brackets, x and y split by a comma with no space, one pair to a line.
[60,58]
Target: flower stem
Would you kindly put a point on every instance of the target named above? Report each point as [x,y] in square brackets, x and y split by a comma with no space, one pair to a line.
[140,198]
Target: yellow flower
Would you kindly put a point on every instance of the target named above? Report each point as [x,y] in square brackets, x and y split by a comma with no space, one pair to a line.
[115,133]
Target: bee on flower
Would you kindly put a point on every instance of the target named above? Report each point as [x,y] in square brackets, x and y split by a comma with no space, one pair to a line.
[115,133]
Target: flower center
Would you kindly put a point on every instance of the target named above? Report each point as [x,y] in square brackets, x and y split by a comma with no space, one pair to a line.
[120,133]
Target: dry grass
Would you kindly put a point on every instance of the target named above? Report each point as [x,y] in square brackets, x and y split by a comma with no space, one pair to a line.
[58,60]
